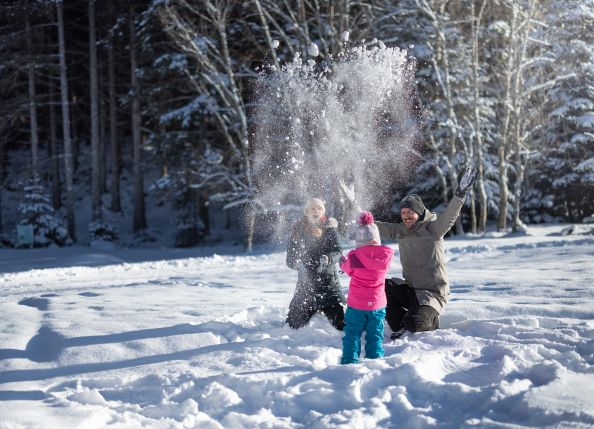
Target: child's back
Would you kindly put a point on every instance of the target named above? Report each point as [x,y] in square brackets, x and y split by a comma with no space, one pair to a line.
[367,266]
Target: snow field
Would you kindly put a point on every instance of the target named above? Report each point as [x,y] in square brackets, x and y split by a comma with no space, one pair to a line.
[201,343]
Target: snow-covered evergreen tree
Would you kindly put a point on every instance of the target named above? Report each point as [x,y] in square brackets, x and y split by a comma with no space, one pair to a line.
[185,188]
[562,185]
[102,230]
[37,210]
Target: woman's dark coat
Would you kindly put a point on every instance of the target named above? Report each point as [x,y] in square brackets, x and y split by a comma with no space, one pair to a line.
[316,288]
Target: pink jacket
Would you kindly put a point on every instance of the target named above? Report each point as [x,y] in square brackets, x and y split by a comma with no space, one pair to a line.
[367,266]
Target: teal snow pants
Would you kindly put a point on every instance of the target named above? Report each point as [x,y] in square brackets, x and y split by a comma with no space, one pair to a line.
[356,322]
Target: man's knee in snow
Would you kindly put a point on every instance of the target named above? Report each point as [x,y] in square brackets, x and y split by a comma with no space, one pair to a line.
[425,318]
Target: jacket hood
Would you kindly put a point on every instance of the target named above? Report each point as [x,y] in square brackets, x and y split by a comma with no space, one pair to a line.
[374,257]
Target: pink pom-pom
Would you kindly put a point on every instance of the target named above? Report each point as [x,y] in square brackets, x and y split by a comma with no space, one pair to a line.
[365,218]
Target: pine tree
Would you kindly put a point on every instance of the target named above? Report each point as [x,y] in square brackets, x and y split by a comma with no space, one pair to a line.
[37,210]
[561,179]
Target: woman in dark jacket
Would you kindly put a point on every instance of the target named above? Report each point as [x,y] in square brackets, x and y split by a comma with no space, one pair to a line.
[314,251]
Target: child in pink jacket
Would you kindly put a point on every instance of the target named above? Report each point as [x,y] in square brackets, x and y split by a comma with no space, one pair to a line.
[367,266]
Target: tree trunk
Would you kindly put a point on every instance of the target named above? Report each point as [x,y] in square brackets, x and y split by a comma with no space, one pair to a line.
[54,151]
[520,117]
[447,90]
[453,179]
[443,180]
[473,220]
[94,91]
[503,145]
[163,145]
[243,136]
[518,192]
[139,221]
[33,128]
[102,140]
[250,222]
[116,205]
[503,188]
[482,194]
[76,134]
[68,165]
[2,145]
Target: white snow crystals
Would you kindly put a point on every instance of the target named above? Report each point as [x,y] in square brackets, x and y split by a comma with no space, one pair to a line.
[339,110]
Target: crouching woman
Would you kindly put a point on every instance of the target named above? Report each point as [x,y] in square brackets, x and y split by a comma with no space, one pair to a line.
[314,251]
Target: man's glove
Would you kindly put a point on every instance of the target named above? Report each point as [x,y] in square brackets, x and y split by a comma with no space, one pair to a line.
[466,181]
[323,263]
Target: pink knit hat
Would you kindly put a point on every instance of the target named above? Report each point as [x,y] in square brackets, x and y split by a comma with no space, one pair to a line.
[367,233]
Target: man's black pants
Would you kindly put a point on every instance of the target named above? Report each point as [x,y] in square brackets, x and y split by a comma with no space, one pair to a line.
[403,309]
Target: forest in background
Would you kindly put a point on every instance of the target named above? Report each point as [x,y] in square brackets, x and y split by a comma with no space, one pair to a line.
[102,95]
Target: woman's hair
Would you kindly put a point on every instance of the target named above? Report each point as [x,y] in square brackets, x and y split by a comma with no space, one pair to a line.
[312,202]
[314,230]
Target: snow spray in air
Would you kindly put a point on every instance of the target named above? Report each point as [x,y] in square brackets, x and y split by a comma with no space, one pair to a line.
[347,118]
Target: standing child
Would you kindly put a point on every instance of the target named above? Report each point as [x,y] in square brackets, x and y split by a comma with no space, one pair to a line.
[367,266]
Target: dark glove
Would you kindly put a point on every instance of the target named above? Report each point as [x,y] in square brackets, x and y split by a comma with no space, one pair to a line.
[466,181]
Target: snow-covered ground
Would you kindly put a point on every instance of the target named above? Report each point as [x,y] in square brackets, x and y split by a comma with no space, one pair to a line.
[179,339]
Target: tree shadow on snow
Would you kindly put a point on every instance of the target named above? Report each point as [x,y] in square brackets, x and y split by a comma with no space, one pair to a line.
[22,395]
[12,261]
[47,345]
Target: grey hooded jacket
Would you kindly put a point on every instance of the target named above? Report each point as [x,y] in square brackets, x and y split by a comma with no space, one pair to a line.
[422,253]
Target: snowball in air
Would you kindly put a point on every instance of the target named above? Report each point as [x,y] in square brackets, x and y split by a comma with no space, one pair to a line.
[313,50]
[345,36]
[275,44]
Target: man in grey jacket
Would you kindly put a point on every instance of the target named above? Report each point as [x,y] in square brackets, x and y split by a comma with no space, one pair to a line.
[415,302]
